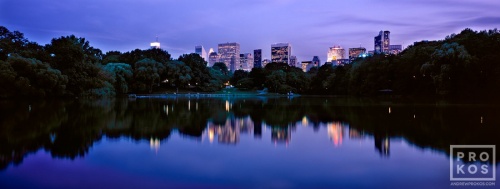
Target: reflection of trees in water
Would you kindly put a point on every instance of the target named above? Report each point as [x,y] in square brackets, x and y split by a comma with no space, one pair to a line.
[69,128]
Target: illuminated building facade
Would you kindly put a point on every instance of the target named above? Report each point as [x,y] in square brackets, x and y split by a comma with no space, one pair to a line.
[304,65]
[395,49]
[336,132]
[265,62]
[334,53]
[201,51]
[316,61]
[293,61]
[246,62]
[307,65]
[382,42]
[155,44]
[213,57]
[281,53]
[257,58]
[281,135]
[229,53]
[356,52]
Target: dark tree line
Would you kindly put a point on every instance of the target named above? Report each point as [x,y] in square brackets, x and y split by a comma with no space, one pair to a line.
[461,65]
[70,66]
[465,64]
[64,130]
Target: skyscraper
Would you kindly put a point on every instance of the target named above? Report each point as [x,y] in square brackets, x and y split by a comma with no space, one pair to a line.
[265,62]
[316,62]
[155,44]
[246,62]
[386,42]
[293,61]
[213,57]
[355,52]
[229,53]
[305,65]
[395,49]
[335,53]
[281,52]
[257,58]
[201,51]
[382,42]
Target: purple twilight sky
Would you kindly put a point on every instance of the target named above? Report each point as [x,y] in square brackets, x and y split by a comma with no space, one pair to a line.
[309,26]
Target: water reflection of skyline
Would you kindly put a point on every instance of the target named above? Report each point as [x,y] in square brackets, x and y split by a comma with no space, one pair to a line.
[233,128]
[69,129]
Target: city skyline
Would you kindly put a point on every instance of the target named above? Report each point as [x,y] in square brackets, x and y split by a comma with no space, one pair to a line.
[311,27]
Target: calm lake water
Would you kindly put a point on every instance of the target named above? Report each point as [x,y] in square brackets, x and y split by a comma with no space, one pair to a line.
[235,142]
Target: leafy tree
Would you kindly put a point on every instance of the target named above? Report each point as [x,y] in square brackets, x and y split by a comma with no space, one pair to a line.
[75,58]
[245,83]
[7,80]
[147,74]
[178,73]
[33,78]
[11,42]
[134,56]
[217,81]
[297,80]
[277,66]
[319,81]
[258,76]
[111,57]
[221,67]
[276,82]
[201,75]
[120,76]
[238,75]
[447,61]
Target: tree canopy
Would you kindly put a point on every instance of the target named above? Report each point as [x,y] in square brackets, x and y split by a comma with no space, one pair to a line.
[462,65]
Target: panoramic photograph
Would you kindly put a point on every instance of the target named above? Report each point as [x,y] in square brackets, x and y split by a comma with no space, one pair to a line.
[244,94]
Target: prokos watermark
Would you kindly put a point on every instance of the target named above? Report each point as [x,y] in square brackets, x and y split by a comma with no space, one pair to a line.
[472,165]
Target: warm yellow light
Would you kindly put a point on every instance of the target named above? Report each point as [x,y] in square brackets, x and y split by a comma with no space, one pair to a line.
[335,133]
[154,143]
[211,135]
[305,122]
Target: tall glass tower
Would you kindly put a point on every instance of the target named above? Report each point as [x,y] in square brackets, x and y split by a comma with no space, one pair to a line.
[281,53]
[229,53]
[257,58]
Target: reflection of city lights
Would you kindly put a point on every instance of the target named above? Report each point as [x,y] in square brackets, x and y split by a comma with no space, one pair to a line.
[227,106]
[414,116]
[335,132]
[154,143]
[166,109]
[354,134]
[196,106]
[189,105]
[305,122]
[211,135]
[386,146]
[481,119]
[389,110]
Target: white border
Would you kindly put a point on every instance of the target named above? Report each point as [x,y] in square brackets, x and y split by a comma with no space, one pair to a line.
[472,179]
